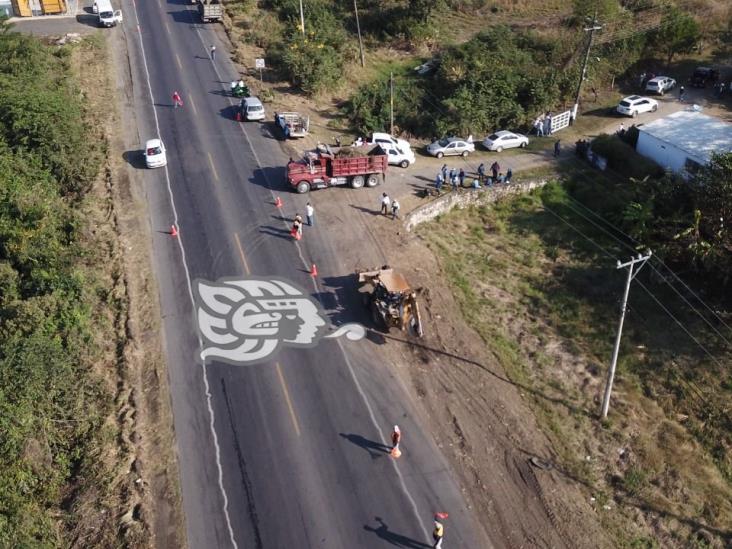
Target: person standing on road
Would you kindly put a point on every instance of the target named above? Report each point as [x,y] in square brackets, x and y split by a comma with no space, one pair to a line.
[394,209]
[437,534]
[454,180]
[461,176]
[557,148]
[385,203]
[396,437]
[310,214]
[438,181]
[509,175]
[481,172]
[177,101]
[444,172]
[682,92]
[213,52]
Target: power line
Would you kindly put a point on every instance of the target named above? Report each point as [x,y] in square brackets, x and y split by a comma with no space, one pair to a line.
[665,309]
[598,216]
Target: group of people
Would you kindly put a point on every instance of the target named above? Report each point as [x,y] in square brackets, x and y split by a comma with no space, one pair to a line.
[389,204]
[543,124]
[456,178]
[297,224]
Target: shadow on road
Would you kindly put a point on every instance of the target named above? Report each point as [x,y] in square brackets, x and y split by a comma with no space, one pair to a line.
[365,210]
[275,231]
[88,19]
[272,178]
[392,537]
[375,449]
[135,158]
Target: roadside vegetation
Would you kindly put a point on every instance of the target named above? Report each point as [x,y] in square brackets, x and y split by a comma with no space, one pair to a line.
[536,277]
[496,64]
[60,304]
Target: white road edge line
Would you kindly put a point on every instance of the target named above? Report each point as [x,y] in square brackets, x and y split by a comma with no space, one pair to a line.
[317,289]
[207,388]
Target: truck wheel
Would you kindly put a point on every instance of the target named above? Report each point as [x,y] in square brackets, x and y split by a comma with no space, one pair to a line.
[357,182]
[404,164]
[373,180]
[303,187]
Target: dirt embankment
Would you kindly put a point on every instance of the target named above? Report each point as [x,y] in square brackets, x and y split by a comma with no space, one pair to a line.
[133,499]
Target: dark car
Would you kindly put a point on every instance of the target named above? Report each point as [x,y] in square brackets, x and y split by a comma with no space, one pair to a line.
[703,76]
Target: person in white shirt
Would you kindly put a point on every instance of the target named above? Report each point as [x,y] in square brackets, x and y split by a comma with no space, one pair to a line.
[385,203]
[394,209]
[310,214]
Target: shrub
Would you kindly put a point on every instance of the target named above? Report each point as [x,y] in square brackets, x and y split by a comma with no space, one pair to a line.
[623,159]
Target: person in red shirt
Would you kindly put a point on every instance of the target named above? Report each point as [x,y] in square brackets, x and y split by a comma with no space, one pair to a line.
[177,101]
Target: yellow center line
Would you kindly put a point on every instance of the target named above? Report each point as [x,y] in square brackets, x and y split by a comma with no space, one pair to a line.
[213,168]
[241,254]
[287,398]
[177,60]
[193,105]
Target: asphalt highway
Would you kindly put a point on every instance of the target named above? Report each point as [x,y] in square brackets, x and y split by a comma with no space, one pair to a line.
[287,454]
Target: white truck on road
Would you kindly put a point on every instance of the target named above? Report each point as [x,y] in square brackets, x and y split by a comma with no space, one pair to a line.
[292,124]
[108,17]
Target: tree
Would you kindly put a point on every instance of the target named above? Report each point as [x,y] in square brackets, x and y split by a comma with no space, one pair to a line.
[678,33]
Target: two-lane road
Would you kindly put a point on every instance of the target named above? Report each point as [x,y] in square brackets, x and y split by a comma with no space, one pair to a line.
[285,454]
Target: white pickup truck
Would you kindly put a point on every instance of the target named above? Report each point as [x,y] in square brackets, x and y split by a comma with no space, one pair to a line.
[398,150]
[292,124]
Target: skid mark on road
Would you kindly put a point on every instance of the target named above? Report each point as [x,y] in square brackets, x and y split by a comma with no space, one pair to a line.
[287,398]
[251,507]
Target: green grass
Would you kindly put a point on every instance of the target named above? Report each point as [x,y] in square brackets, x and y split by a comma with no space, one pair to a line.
[563,287]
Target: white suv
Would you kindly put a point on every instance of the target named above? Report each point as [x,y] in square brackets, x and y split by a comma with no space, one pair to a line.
[635,105]
[660,84]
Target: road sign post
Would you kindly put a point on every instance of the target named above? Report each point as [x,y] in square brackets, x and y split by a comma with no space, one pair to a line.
[259,64]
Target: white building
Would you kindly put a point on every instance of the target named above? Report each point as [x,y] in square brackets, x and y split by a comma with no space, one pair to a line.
[684,141]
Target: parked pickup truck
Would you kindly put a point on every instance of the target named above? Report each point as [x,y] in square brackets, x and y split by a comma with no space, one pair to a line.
[210,10]
[292,124]
[349,166]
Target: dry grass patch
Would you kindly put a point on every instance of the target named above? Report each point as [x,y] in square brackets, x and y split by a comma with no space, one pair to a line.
[545,303]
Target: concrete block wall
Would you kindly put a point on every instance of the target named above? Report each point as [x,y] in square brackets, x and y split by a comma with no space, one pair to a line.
[467,197]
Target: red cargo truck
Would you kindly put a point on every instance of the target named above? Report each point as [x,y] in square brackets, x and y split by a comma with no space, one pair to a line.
[321,169]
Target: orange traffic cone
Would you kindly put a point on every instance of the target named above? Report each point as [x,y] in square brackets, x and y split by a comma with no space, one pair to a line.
[396,452]
[298,235]
[173,230]
[313,270]
[278,202]
[237,116]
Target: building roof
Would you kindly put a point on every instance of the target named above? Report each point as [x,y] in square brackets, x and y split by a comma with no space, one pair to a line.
[697,134]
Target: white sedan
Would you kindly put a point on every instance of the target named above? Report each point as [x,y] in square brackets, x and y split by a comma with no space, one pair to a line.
[155,153]
[635,105]
[450,146]
[505,140]
[660,84]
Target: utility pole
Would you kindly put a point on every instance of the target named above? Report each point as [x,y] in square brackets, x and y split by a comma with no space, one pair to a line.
[302,18]
[391,103]
[358,28]
[632,272]
[592,30]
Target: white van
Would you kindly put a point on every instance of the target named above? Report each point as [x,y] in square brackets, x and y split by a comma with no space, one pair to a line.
[108,17]
[251,108]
